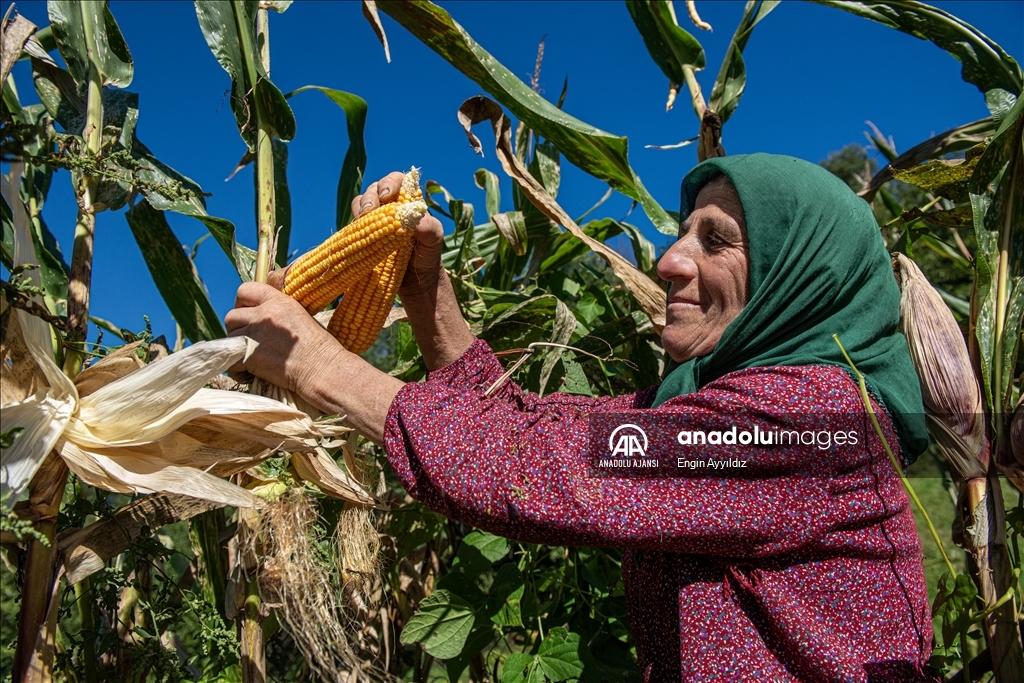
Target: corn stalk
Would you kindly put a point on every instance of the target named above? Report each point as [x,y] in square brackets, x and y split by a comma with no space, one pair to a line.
[33,660]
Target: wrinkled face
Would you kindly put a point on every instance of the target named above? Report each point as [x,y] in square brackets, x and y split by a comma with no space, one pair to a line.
[708,269]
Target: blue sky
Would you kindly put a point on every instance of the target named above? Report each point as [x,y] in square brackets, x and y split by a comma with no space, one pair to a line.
[814,76]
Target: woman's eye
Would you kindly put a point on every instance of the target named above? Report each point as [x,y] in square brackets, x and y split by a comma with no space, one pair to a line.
[713,239]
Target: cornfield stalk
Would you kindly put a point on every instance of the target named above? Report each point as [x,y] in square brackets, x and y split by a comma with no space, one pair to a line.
[995,572]
[37,626]
[253,653]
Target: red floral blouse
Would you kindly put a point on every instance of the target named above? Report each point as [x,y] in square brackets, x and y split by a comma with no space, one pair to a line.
[769,578]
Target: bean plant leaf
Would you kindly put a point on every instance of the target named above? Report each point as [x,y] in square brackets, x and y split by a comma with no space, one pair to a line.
[672,48]
[732,77]
[520,667]
[173,274]
[490,546]
[352,168]
[441,626]
[985,64]
[997,198]
[505,596]
[559,655]
[600,154]
[230,32]
[85,30]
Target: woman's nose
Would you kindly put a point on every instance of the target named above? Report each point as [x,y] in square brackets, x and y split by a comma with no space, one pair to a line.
[677,263]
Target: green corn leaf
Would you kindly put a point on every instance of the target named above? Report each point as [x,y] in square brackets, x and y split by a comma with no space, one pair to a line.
[488,182]
[173,274]
[672,48]
[732,77]
[351,181]
[997,198]
[600,154]
[84,30]
[985,64]
[230,32]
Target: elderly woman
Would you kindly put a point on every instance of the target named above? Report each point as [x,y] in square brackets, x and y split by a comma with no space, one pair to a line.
[777,574]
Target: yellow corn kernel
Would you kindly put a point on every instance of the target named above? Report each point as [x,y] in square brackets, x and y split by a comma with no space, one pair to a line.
[364,308]
[320,276]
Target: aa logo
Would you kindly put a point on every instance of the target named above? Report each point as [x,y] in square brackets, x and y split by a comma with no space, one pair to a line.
[629,441]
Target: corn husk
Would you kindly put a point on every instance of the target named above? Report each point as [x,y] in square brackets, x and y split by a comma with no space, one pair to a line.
[952,396]
[137,428]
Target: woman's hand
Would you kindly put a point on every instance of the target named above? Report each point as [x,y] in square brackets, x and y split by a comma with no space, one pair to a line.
[294,350]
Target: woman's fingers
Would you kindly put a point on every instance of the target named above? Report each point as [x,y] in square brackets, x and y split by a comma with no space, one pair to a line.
[381,192]
[389,186]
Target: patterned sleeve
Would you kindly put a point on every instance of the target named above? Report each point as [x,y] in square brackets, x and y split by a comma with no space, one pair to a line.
[519,466]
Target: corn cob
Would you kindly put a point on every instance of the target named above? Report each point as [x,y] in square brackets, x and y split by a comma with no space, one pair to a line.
[320,276]
[952,397]
[365,307]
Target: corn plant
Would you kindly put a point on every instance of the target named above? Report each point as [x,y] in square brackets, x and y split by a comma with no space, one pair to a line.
[145,575]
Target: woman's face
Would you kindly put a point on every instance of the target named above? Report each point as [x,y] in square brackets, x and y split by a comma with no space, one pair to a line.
[708,269]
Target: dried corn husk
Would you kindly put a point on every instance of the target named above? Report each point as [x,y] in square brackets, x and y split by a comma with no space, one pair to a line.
[139,429]
[952,396]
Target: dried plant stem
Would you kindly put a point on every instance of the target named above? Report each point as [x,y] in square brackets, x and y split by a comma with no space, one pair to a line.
[37,620]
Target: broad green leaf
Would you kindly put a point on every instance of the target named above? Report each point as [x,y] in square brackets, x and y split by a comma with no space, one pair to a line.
[230,32]
[173,274]
[575,380]
[672,48]
[164,188]
[559,655]
[515,666]
[732,77]
[441,626]
[490,546]
[351,180]
[600,154]
[505,596]
[481,637]
[985,64]
[86,29]
[997,198]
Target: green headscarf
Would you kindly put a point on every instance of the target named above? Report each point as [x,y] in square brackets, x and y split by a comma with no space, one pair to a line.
[818,267]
